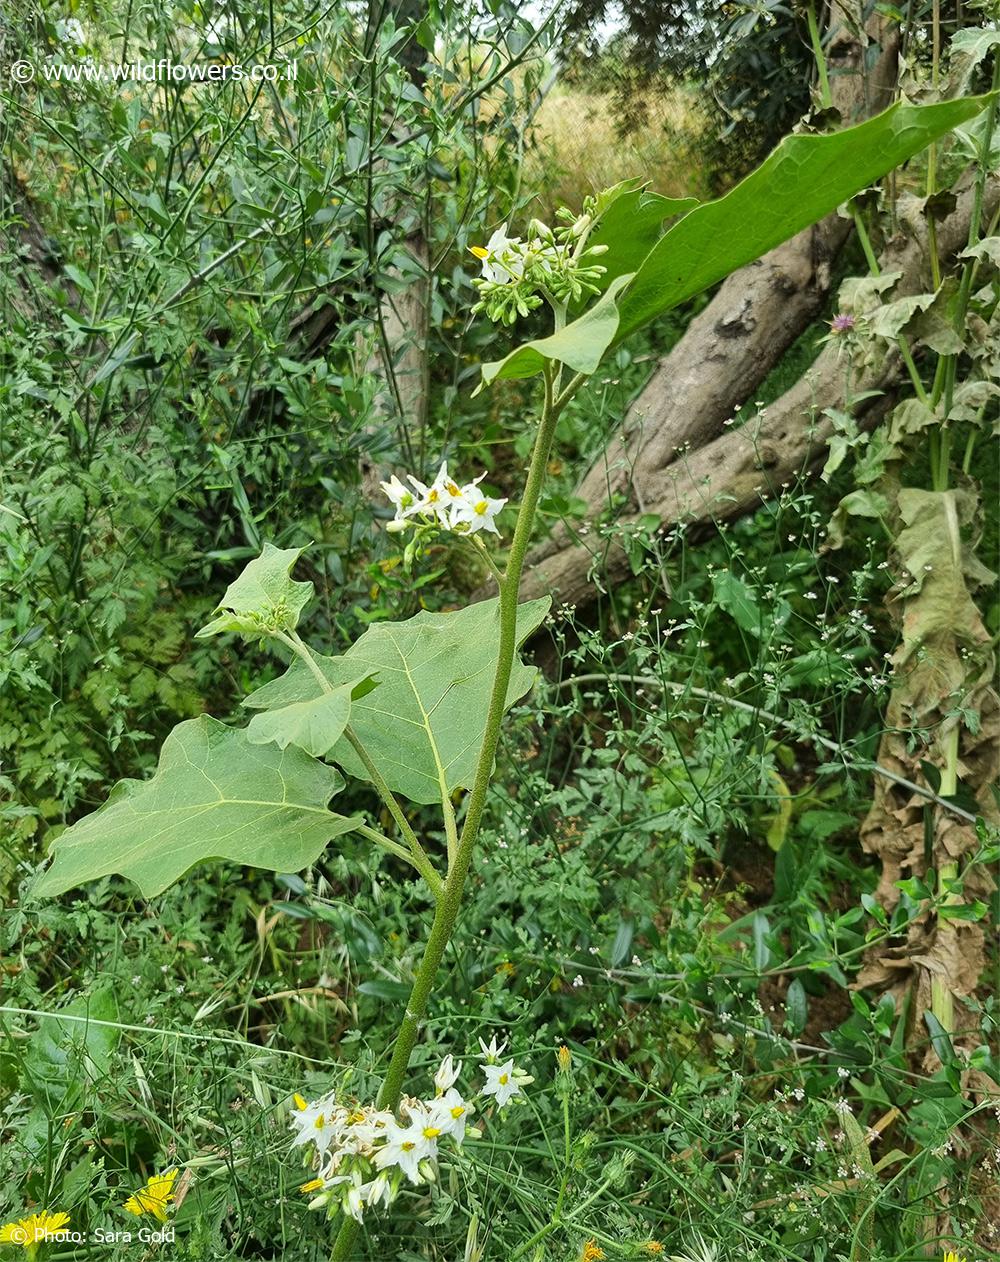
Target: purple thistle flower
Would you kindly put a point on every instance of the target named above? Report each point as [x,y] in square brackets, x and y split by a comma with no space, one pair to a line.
[842,323]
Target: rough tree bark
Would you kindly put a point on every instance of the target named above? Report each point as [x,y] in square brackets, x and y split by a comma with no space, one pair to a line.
[733,473]
[23,236]
[719,363]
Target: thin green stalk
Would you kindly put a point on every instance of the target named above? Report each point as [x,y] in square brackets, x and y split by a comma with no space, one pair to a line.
[944,379]
[450,823]
[942,999]
[861,229]
[386,843]
[825,95]
[294,641]
[484,552]
[557,1221]
[567,1156]
[932,149]
[904,346]
[448,905]
[395,810]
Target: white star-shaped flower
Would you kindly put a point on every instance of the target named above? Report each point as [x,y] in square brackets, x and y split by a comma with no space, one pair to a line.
[449,1114]
[500,1082]
[401,497]
[501,257]
[477,511]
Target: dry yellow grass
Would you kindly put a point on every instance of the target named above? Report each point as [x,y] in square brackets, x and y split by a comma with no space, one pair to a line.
[578,150]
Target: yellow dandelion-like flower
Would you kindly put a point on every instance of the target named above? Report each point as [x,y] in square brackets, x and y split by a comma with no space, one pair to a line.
[653,1248]
[154,1197]
[28,1232]
[592,1252]
[951,1256]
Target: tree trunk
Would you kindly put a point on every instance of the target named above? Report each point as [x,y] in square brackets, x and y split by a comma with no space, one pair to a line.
[735,472]
[720,362]
[400,362]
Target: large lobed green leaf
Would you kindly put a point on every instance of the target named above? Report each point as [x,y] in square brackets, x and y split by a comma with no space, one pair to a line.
[804,179]
[425,721]
[214,795]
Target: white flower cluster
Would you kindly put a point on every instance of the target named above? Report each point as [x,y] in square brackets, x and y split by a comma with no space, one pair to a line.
[444,503]
[362,1154]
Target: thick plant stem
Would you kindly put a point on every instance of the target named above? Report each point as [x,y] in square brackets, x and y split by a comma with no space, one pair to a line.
[448,905]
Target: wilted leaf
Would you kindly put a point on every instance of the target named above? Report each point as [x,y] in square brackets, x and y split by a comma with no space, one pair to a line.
[988,248]
[969,47]
[860,294]
[910,417]
[970,399]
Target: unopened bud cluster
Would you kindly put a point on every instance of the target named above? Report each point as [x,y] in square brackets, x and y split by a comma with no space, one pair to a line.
[552,265]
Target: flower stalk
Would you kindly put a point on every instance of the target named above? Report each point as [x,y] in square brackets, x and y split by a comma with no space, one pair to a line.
[450,901]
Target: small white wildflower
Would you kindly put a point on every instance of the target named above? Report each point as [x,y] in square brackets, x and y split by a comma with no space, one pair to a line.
[69,31]
[400,496]
[447,1074]
[491,1052]
[450,1113]
[500,1082]
[319,1123]
[476,511]
[406,1147]
[502,257]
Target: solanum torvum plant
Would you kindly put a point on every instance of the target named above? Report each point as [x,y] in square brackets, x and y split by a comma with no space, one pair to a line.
[414,709]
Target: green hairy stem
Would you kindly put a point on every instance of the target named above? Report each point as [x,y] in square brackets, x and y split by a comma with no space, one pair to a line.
[450,901]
